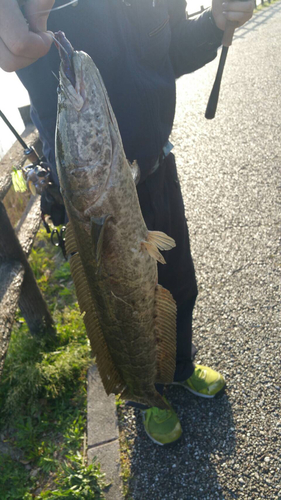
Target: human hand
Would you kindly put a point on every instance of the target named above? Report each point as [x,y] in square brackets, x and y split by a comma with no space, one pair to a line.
[236,11]
[23,41]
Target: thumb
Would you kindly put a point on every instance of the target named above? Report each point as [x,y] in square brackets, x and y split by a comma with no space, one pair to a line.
[37,13]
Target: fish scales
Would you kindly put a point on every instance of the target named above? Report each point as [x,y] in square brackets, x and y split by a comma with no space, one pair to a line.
[130,319]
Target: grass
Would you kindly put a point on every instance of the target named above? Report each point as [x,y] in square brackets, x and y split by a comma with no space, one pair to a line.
[15,203]
[43,397]
[125,449]
[125,459]
[265,5]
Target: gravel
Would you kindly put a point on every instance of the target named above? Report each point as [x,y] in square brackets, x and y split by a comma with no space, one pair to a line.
[229,170]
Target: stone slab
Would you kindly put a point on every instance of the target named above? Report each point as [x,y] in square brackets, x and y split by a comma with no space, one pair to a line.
[103,434]
[108,455]
[11,278]
[29,224]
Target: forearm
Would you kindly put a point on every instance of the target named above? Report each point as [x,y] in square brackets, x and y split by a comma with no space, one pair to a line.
[194,43]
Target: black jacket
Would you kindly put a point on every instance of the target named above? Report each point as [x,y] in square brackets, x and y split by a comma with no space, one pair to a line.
[140,50]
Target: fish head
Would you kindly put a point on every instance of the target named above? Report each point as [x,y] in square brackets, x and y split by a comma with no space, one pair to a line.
[87,134]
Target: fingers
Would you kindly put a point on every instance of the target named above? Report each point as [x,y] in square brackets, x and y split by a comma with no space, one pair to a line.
[36,12]
[19,46]
[238,6]
[12,61]
[238,11]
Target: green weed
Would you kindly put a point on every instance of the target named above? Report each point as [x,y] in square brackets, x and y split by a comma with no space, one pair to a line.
[125,447]
[77,482]
[43,397]
[15,203]
[14,478]
[34,369]
[265,5]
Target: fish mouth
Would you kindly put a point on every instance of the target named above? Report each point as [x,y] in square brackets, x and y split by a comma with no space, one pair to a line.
[66,52]
[81,88]
[71,74]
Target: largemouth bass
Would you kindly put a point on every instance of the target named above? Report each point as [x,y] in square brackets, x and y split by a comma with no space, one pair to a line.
[129,318]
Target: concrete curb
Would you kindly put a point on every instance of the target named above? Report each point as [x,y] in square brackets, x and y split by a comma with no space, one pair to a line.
[103,434]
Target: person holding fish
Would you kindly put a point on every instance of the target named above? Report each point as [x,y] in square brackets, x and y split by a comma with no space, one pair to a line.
[140,48]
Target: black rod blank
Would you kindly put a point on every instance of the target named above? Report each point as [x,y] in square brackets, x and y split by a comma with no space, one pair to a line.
[13,130]
[214,96]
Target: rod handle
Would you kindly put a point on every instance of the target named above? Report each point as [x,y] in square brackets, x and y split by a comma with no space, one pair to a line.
[214,96]
[228,33]
[31,154]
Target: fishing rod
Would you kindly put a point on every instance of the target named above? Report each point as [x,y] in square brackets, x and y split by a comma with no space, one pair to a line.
[226,42]
[214,96]
[29,151]
[36,176]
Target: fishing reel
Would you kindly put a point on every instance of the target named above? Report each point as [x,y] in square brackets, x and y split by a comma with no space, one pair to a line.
[37,177]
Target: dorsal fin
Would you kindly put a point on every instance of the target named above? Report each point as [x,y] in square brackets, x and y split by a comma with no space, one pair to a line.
[70,242]
[165,334]
[110,377]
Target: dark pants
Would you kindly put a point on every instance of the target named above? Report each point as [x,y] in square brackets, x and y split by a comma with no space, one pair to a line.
[163,210]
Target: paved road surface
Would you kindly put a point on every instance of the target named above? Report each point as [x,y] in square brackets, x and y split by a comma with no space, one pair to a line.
[230,174]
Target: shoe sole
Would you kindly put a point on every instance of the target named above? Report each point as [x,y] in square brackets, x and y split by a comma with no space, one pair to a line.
[218,394]
[165,445]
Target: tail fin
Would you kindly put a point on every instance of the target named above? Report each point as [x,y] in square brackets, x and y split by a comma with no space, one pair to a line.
[151,399]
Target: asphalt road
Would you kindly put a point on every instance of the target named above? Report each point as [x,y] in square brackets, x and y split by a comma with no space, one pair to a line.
[229,169]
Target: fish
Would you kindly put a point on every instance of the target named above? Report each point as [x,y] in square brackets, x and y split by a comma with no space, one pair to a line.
[130,319]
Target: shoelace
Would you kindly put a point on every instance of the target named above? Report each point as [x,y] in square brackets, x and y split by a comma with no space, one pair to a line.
[161,415]
[200,373]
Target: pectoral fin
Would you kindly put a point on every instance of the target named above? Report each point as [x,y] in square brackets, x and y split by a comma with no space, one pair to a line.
[135,169]
[156,241]
[161,240]
[98,225]
[154,252]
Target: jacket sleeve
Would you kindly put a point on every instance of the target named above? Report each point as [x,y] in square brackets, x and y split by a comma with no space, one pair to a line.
[195,41]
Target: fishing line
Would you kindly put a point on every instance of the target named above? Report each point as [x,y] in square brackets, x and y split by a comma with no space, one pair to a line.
[55,8]
[56,41]
[56,77]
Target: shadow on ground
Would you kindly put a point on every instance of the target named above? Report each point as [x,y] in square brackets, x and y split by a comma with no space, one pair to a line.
[261,17]
[183,471]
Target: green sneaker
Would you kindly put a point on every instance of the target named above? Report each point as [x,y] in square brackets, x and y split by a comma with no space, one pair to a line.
[204,382]
[162,426]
